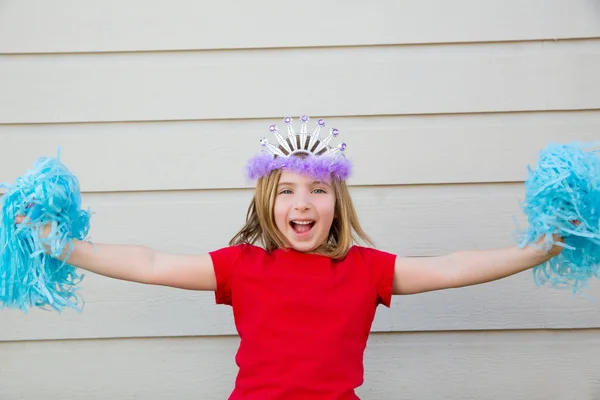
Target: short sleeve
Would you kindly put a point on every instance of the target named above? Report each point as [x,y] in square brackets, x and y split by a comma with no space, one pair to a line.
[224,261]
[381,265]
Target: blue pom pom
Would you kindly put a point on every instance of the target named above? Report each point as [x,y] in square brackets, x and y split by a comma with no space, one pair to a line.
[563,197]
[30,276]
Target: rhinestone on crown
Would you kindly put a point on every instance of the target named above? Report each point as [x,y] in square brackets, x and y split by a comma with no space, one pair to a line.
[302,142]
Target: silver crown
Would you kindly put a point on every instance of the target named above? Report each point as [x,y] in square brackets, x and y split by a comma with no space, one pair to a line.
[303,142]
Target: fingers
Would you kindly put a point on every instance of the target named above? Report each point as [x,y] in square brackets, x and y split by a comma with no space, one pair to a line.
[558,238]
[20,218]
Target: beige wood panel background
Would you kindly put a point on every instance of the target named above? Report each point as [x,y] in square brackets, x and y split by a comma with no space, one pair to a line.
[186,155]
[36,26]
[420,221]
[387,80]
[526,365]
[441,104]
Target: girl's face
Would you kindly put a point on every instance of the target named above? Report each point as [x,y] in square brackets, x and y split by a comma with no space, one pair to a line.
[304,210]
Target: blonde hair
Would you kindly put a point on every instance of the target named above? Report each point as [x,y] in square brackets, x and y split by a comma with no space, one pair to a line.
[260,222]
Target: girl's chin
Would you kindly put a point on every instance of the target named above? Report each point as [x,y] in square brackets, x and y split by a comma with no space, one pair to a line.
[303,247]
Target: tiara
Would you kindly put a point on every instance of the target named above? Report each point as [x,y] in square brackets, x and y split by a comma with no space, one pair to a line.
[301,152]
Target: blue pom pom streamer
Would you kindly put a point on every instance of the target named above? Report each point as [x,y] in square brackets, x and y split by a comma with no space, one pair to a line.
[30,273]
[563,197]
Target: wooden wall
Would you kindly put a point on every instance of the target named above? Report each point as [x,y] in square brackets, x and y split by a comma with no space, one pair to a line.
[157,105]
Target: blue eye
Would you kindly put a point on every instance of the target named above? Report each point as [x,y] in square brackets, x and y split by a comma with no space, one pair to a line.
[319,191]
[285,191]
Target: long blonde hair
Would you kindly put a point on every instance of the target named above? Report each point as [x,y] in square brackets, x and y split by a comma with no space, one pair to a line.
[260,222]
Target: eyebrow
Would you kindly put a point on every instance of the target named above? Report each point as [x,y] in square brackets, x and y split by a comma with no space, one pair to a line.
[294,184]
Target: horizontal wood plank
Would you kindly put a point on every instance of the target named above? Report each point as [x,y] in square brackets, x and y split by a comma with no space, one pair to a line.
[36,26]
[212,154]
[387,80]
[562,365]
[427,220]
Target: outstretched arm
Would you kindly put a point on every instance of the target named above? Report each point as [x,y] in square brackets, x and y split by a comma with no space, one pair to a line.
[145,265]
[142,264]
[422,274]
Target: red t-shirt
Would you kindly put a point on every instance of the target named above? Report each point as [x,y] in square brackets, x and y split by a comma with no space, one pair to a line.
[303,319]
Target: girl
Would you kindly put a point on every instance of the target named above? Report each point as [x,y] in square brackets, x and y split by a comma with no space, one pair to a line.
[304,300]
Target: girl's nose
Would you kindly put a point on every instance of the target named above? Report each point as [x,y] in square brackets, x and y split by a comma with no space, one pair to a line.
[301,207]
[302,203]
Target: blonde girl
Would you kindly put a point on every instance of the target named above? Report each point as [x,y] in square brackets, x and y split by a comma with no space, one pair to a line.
[303,292]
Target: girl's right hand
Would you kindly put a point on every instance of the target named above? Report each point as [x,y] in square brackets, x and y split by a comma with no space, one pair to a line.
[47,228]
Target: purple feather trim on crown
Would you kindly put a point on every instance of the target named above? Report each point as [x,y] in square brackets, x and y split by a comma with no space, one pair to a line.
[318,167]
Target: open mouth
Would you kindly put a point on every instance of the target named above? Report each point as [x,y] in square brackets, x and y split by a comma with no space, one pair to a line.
[302,226]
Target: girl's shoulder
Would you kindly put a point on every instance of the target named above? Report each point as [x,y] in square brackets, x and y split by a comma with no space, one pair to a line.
[367,251]
[370,255]
[238,250]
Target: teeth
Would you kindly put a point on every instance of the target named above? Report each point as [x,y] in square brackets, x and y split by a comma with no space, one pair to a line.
[303,222]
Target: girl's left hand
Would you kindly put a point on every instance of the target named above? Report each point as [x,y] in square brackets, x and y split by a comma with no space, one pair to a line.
[556,249]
